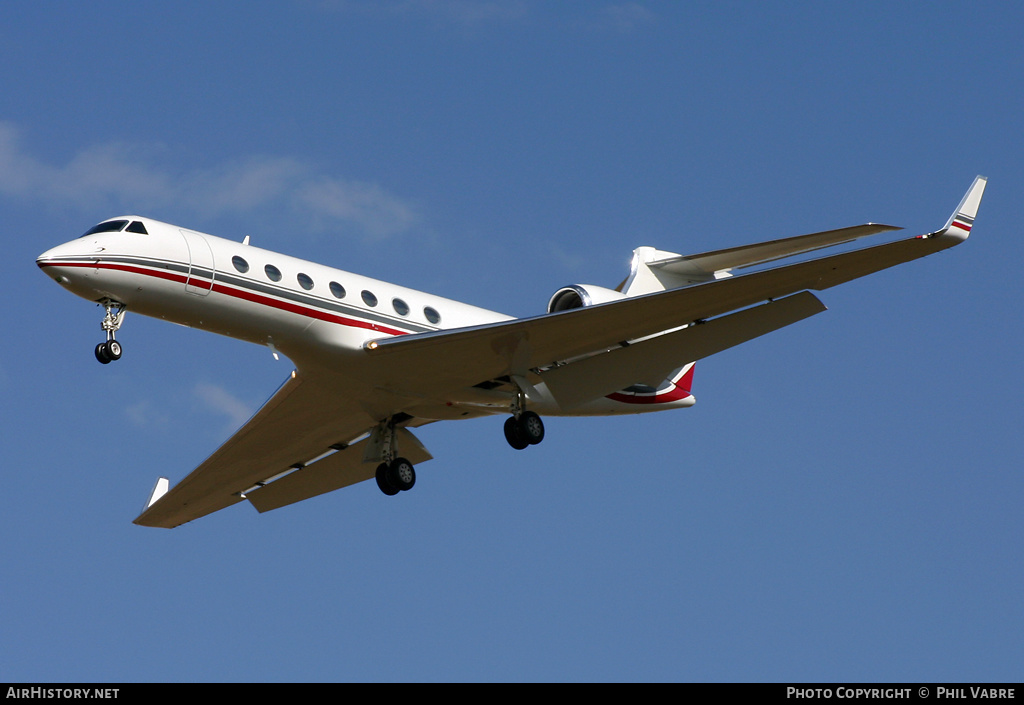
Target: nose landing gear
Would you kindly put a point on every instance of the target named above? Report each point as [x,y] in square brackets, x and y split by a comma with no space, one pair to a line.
[110,350]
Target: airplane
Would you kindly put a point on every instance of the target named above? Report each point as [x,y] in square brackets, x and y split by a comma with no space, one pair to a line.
[374,360]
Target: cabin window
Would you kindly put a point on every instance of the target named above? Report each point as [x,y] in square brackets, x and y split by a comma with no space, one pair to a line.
[401,308]
[305,282]
[368,298]
[111,226]
[432,315]
[338,290]
[137,227]
[240,264]
[273,273]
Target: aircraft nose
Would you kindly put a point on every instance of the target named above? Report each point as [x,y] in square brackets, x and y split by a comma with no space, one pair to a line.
[52,255]
[46,258]
[60,253]
[57,261]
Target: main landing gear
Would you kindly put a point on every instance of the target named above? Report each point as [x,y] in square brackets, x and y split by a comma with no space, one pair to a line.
[110,350]
[523,428]
[396,476]
[527,430]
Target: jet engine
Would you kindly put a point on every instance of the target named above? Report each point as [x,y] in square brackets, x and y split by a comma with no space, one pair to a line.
[580,295]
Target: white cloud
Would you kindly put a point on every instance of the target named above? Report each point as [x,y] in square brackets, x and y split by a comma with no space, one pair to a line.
[380,213]
[123,176]
[219,400]
[245,185]
[626,17]
[143,414]
[464,13]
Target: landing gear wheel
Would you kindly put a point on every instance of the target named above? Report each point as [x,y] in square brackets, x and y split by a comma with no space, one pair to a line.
[514,434]
[113,349]
[401,474]
[382,480]
[531,428]
[108,352]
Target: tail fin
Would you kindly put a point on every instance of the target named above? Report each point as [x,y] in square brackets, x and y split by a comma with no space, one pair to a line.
[644,279]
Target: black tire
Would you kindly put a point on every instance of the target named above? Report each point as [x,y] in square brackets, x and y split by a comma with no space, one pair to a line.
[101,353]
[113,349]
[401,474]
[531,428]
[382,480]
[514,435]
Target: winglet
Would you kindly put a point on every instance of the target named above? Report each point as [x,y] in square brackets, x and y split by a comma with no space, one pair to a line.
[960,223]
[159,490]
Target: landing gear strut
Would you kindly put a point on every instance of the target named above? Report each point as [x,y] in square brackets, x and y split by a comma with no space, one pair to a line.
[111,349]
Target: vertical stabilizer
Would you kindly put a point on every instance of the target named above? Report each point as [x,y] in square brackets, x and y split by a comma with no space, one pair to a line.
[644,279]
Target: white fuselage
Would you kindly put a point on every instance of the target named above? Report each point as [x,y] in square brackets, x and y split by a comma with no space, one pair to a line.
[312,313]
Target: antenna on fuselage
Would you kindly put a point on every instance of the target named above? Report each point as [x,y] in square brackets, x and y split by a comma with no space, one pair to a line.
[245,240]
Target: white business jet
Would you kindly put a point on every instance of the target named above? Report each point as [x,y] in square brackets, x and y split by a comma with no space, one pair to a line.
[374,360]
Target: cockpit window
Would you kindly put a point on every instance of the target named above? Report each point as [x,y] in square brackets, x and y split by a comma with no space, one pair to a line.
[110,226]
[137,227]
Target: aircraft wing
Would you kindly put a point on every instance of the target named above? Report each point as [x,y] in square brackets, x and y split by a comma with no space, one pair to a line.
[431,363]
[311,414]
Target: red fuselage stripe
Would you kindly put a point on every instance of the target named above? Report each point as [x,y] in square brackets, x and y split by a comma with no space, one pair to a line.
[674,394]
[238,294]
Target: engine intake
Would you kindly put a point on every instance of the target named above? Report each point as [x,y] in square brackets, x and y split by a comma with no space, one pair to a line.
[580,295]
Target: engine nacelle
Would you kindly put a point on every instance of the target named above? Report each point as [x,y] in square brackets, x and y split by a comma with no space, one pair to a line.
[580,295]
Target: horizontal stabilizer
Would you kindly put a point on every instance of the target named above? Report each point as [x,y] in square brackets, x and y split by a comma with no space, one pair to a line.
[651,360]
[706,264]
[341,469]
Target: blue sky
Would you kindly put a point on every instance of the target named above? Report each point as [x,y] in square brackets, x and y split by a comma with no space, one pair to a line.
[843,502]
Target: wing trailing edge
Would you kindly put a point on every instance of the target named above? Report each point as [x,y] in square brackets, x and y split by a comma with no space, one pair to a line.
[651,360]
[341,469]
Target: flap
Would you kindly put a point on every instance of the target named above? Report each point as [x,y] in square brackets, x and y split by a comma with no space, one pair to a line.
[651,360]
[340,469]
